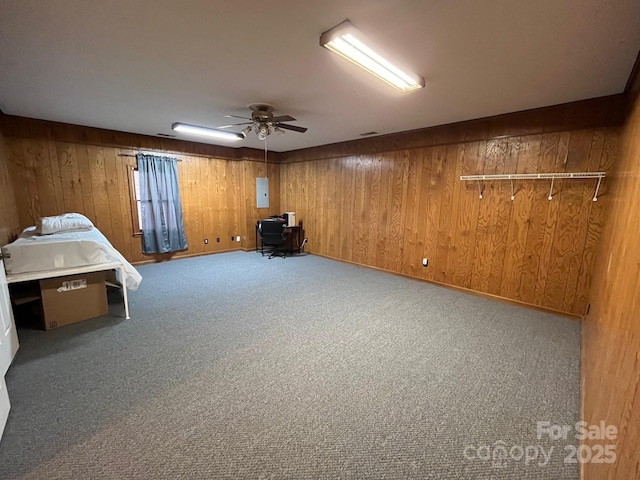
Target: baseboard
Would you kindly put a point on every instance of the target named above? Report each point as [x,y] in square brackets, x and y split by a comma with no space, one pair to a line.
[490,296]
[189,255]
[582,381]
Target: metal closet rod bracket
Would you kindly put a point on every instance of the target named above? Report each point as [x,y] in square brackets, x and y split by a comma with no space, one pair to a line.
[536,176]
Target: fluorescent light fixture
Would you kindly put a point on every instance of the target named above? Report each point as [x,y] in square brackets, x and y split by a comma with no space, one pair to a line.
[350,43]
[206,132]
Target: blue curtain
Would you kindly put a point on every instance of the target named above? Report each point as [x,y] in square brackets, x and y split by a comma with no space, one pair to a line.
[160,205]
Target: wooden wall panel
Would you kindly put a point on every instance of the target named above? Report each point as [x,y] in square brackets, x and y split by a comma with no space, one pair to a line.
[251,214]
[13,126]
[611,330]
[390,209]
[585,114]
[461,263]
[57,168]
[9,226]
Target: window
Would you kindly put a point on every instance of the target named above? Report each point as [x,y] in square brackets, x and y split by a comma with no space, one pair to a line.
[136,214]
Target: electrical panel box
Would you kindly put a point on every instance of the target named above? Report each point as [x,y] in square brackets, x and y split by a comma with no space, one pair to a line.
[262,192]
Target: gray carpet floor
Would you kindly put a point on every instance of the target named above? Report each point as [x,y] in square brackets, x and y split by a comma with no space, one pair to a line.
[236,366]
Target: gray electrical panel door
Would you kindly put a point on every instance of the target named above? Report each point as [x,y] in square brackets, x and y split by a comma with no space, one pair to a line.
[262,192]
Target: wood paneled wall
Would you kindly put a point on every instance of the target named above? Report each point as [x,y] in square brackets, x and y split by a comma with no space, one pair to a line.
[8,210]
[389,209]
[385,202]
[585,114]
[59,168]
[611,330]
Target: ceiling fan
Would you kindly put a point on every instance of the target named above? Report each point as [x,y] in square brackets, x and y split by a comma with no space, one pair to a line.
[263,123]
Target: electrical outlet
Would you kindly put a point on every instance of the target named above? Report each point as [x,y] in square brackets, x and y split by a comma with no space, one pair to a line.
[238,238]
[232,239]
[218,239]
[425,262]
[206,241]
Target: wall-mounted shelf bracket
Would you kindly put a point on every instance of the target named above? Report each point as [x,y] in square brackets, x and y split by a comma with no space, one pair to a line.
[595,195]
[536,176]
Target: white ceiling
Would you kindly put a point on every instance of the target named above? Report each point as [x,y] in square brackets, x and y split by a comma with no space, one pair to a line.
[139,66]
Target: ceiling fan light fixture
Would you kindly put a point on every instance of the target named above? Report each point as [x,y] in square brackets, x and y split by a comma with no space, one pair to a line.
[263,131]
[350,43]
[206,132]
[247,130]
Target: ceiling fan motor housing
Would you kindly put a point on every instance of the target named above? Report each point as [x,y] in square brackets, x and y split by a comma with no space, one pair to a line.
[261,117]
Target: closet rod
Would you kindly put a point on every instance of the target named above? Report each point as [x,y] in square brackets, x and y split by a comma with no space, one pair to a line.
[133,155]
[536,176]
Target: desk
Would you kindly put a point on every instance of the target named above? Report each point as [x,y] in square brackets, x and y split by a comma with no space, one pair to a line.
[293,233]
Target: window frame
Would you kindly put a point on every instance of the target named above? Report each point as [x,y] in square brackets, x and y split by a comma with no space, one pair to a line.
[134,203]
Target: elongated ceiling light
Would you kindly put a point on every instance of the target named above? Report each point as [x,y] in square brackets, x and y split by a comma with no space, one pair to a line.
[350,43]
[206,132]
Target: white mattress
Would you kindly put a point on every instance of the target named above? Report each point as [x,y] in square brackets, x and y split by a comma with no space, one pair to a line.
[34,253]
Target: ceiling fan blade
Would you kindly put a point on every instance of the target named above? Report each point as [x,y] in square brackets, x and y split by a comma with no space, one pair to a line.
[293,128]
[236,116]
[283,118]
[235,125]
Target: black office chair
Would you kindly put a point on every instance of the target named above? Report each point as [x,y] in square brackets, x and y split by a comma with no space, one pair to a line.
[273,234]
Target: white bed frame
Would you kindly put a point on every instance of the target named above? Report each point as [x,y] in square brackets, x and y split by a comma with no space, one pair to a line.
[63,272]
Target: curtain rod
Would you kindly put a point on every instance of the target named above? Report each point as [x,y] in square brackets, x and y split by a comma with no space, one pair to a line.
[133,155]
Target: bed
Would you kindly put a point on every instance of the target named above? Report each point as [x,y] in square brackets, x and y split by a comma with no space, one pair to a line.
[35,257]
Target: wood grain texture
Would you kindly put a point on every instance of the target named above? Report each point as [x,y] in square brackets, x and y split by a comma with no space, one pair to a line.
[586,114]
[399,206]
[9,225]
[611,329]
[57,168]
[43,130]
